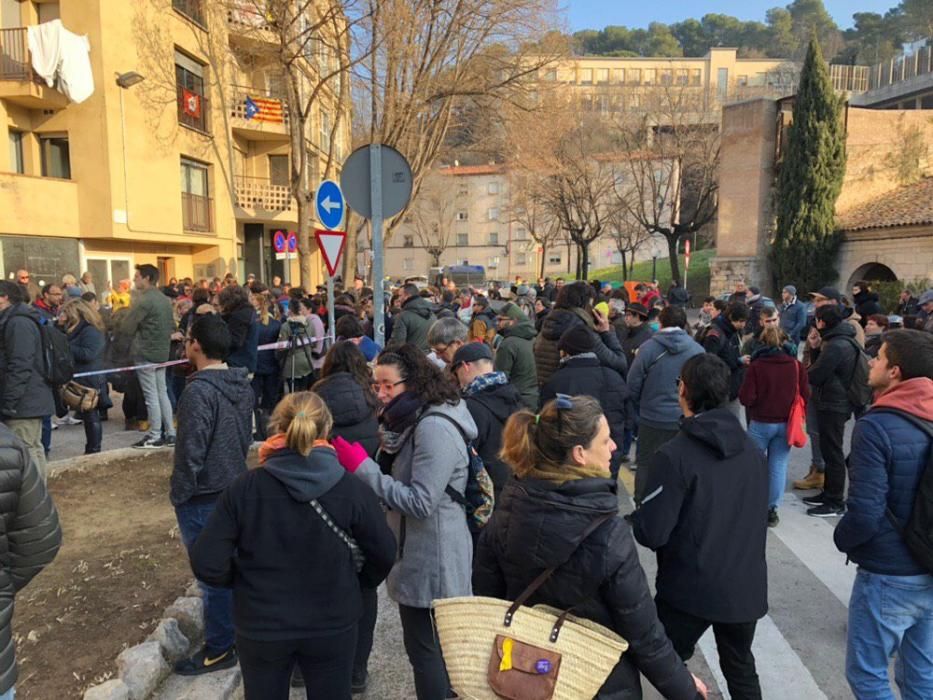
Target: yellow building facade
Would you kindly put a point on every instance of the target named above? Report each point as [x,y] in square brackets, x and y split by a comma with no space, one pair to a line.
[179,158]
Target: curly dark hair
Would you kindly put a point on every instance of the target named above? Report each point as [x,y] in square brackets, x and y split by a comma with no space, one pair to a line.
[420,376]
[232,298]
[578,295]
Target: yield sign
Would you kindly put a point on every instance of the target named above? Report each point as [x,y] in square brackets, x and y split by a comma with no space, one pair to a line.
[331,244]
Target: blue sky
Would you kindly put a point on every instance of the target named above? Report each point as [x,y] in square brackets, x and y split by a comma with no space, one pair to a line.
[596,14]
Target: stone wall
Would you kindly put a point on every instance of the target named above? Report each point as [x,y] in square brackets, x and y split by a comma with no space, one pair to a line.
[907,252]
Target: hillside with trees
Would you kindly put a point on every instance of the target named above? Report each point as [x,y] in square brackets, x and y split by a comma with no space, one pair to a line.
[784,33]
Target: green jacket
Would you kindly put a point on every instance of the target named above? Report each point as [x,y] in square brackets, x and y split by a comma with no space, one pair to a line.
[150,323]
[412,325]
[515,356]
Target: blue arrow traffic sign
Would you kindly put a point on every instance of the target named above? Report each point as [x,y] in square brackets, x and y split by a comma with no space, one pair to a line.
[329,204]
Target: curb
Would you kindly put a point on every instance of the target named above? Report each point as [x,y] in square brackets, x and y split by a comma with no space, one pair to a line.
[142,668]
[102,459]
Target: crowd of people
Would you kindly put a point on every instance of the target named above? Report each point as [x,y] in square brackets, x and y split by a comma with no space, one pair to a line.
[371,459]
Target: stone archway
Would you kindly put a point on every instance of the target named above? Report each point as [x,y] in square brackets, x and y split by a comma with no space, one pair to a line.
[872,272]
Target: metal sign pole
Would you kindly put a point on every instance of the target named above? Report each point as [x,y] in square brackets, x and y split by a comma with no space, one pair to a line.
[375,184]
[288,266]
[330,310]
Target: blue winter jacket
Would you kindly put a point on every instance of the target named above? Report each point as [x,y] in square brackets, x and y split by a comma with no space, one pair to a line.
[266,363]
[652,378]
[886,462]
[793,320]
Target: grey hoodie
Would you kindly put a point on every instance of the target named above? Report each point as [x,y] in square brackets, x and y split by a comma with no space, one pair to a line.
[652,378]
[215,414]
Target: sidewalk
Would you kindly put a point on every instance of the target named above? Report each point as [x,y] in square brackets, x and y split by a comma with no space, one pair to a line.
[68,440]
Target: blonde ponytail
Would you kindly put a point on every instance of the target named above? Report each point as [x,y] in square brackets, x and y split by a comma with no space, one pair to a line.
[304,418]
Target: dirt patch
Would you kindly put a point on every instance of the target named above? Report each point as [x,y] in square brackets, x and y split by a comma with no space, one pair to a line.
[122,563]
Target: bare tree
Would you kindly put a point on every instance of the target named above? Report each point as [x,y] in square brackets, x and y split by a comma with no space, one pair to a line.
[432,217]
[628,236]
[528,210]
[428,58]
[671,172]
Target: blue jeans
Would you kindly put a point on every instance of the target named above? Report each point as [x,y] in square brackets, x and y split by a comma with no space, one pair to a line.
[9,695]
[218,602]
[771,439]
[155,391]
[888,615]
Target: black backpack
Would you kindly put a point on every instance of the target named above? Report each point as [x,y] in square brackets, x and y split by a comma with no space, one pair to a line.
[478,499]
[917,532]
[58,367]
[858,392]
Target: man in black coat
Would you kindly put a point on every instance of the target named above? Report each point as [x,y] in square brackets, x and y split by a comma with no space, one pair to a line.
[636,332]
[25,396]
[830,373]
[580,373]
[723,339]
[705,514]
[491,400]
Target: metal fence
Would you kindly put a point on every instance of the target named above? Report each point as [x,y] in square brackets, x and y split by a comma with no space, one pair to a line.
[14,55]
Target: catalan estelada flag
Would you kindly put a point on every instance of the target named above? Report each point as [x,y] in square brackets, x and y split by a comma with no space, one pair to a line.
[261,109]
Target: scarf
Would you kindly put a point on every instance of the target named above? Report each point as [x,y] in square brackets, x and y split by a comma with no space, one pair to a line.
[277,442]
[397,419]
[586,355]
[561,474]
[485,381]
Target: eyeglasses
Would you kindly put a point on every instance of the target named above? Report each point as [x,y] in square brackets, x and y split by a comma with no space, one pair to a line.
[386,386]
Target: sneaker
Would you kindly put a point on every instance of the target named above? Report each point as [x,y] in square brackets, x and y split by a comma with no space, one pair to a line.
[817,500]
[827,510]
[67,420]
[625,460]
[632,466]
[202,662]
[773,518]
[148,443]
[169,440]
[359,681]
[813,480]
[54,425]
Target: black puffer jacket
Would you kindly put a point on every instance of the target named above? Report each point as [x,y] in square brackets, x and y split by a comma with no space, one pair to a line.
[30,539]
[832,369]
[559,321]
[490,409]
[705,516]
[24,393]
[583,375]
[540,524]
[354,415]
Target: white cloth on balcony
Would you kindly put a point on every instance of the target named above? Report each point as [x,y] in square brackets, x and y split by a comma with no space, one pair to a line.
[60,54]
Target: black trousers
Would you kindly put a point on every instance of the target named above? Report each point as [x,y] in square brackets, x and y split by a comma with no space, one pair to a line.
[733,641]
[267,388]
[366,627]
[424,654]
[93,431]
[326,664]
[832,427]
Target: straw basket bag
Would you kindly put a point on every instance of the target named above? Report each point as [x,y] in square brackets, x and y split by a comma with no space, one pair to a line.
[499,649]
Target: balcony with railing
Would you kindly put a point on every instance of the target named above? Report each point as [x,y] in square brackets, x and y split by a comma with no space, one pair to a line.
[196,213]
[259,196]
[193,110]
[249,23]
[900,78]
[18,82]
[259,114]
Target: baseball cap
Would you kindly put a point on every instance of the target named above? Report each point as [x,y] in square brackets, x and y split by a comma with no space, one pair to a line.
[471,352]
[926,297]
[827,293]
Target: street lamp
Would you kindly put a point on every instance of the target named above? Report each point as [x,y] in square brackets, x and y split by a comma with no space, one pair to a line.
[129,79]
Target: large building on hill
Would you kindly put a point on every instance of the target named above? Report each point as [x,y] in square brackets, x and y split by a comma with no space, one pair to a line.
[179,157]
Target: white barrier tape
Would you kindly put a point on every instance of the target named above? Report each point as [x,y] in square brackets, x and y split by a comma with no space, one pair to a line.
[280,345]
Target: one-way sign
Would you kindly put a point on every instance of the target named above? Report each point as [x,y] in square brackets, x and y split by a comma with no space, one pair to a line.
[329,205]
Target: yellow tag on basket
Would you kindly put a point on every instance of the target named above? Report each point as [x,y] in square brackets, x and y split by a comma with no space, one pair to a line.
[506,663]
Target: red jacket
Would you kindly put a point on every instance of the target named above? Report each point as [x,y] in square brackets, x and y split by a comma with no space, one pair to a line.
[771,385]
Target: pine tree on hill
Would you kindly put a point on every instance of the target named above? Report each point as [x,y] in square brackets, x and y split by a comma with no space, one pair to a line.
[809,181]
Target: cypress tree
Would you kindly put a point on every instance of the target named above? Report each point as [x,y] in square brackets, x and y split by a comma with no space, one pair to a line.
[809,180]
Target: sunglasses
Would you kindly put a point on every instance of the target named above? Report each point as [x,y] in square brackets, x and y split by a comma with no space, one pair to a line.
[563,402]
[387,386]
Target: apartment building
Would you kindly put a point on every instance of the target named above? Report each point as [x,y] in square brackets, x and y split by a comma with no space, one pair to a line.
[178,158]
[611,85]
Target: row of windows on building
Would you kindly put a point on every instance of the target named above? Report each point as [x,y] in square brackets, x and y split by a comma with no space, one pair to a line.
[629,76]
[519,261]
[463,239]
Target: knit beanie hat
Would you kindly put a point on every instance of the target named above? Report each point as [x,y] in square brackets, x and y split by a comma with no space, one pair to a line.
[513,312]
[577,341]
